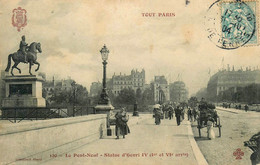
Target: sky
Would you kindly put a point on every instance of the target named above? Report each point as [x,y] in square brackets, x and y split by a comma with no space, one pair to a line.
[72,33]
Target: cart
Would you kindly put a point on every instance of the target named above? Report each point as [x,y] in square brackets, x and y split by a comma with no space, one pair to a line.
[205,114]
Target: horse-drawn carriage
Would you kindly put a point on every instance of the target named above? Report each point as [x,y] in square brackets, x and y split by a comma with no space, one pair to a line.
[207,112]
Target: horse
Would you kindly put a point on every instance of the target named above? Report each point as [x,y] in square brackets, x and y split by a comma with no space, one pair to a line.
[31,57]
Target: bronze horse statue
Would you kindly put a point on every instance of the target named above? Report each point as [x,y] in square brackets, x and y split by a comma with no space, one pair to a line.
[31,57]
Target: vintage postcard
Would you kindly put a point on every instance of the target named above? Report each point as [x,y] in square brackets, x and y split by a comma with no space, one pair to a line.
[133,82]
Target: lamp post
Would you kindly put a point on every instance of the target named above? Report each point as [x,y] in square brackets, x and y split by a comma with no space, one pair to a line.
[104,99]
[135,113]
[73,84]
[104,105]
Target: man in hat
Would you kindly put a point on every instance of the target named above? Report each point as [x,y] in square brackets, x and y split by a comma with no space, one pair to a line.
[178,115]
[170,110]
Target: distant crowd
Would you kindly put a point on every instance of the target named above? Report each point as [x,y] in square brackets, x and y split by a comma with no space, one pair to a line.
[236,106]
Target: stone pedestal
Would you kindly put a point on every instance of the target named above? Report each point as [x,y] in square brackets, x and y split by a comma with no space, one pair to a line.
[23,91]
[105,109]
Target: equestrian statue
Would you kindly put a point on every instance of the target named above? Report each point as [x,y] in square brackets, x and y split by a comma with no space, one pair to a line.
[25,54]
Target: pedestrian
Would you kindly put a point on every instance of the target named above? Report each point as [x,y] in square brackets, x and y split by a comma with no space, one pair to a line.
[165,111]
[170,110]
[194,112]
[158,115]
[211,134]
[189,114]
[246,108]
[182,113]
[178,115]
[121,123]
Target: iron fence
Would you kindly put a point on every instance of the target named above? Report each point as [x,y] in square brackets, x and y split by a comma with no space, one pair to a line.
[18,114]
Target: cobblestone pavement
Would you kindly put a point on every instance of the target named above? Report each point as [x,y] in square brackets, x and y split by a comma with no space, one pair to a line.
[237,126]
[146,144]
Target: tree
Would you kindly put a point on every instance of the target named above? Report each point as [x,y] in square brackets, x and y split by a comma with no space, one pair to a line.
[126,96]
[147,98]
[193,102]
[202,93]
[248,94]
[77,95]
[138,95]
[81,94]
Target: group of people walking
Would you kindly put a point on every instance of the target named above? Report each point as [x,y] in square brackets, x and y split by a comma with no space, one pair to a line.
[192,114]
[167,112]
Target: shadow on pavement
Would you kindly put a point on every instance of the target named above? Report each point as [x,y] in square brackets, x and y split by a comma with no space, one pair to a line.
[201,138]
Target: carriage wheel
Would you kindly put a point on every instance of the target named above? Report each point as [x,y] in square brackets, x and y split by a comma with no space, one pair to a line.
[219,130]
[219,127]
[199,127]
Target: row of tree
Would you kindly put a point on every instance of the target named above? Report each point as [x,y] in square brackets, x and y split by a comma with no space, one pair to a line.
[249,94]
[76,95]
[128,96]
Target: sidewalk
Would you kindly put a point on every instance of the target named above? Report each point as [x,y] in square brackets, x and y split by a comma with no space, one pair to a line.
[146,144]
[233,110]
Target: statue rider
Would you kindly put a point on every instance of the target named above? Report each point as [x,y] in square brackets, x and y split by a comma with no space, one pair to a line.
[23,46]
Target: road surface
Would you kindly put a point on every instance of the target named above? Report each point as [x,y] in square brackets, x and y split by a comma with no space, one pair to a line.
[237,126]
[146,144]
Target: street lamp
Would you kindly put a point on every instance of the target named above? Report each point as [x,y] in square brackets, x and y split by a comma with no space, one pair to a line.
[135,113]
[104,99]
[73,84]
[104,105]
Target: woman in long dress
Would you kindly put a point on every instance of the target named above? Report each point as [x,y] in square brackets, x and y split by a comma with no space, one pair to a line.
[210,131]
[158,113]
[121,123]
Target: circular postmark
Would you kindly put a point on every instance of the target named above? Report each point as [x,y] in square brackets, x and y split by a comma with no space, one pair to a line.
[230,24]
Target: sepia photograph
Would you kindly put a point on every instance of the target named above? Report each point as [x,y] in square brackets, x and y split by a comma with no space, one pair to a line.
[133,82]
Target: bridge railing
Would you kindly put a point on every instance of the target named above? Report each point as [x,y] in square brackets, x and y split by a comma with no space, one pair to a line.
[18,114]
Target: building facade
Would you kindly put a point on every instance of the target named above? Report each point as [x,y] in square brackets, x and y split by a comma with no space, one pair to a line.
[178,92]
[95,89]
[133,81]
[226,79]
[50,85]
[161,89]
